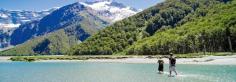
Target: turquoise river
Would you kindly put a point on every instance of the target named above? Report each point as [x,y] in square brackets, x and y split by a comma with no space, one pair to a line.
[111,72]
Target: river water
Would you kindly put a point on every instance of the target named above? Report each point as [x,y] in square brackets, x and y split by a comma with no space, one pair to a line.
[111,72]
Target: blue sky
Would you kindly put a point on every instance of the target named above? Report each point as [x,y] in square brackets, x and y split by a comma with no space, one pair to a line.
[38,5]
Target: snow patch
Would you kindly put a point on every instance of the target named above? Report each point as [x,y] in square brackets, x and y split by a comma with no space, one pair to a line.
[8,26]
[25,20]
[99,5]
[34,15]
[3,15]
[46,10]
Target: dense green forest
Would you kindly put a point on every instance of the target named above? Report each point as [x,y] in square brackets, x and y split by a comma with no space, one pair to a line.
[179,26]
[205,34]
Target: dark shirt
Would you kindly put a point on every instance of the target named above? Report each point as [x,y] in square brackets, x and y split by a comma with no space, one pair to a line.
[172,61]
[161,65]
[160,61]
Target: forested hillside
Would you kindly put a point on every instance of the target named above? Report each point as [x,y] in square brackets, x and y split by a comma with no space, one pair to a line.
[179,26]
[210,33]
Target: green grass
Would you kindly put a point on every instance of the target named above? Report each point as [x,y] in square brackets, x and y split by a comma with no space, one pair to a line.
[201,54]
[36,58]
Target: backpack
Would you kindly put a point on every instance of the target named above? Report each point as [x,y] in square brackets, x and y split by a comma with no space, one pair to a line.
[172,61]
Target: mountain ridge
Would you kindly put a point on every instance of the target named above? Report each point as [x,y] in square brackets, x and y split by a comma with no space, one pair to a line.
[75,22]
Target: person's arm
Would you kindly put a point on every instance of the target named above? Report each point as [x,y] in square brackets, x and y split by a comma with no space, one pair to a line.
[169,60]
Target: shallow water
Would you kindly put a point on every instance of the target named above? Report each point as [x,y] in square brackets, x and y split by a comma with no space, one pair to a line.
[111,72]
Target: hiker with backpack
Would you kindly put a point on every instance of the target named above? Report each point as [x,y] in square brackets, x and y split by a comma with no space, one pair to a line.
[161,65]
[172,62]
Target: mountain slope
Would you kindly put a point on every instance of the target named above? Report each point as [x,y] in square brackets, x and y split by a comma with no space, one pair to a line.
[42,45]
[68,25]
[65,16]
[121,35]
[54,21]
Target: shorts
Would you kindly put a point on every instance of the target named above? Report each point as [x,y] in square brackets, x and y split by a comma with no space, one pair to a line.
[172,68]
[161,68]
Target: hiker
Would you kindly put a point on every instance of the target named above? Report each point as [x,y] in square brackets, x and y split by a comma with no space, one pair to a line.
[161,65]
[172,62]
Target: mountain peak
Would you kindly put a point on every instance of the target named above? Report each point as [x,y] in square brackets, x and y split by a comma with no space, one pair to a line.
[112,10]
[103,4]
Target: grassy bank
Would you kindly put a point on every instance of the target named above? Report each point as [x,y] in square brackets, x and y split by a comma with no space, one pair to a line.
[201,54]
[87,57]
[36,58]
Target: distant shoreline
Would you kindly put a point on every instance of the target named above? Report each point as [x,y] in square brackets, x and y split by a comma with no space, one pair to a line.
[5,58]
[209,60]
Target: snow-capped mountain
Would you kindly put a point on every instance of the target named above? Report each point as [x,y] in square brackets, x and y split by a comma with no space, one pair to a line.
[104,12]
[12,19]
[78,21]
[112,11]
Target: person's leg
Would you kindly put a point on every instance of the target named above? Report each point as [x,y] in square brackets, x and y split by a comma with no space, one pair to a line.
[159,71]
[175,71]
[162,69]
[170,74]
[170,70]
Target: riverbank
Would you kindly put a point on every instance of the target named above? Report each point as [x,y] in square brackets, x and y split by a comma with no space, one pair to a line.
[208,60]
[5,58]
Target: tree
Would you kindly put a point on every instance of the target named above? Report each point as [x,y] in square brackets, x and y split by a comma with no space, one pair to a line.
[131,41]
[232,22]
[228,34]
[203,40]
